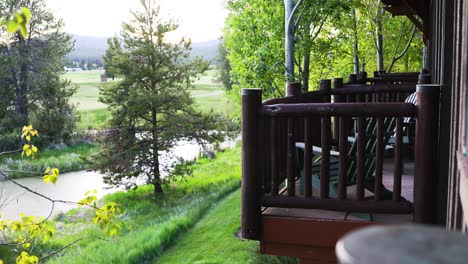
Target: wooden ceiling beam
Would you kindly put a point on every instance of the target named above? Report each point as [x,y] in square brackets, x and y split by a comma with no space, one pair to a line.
[400,10]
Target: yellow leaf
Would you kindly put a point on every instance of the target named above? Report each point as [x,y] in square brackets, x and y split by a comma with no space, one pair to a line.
[26,147]
[28,138]
[34,149]
[53,178]
[28,152]
[46,178]
[55,171]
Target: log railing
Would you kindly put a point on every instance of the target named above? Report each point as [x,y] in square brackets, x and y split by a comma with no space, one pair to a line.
[271,131]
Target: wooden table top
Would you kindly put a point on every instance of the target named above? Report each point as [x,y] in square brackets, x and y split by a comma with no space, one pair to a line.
[406,244]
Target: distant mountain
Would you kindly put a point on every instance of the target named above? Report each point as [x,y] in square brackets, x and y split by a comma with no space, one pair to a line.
[206,49]
[88,47]
[95,47]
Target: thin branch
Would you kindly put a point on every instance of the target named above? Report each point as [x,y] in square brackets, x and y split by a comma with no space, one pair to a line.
[291,16]
[10,152]
[71,244]
[396,58]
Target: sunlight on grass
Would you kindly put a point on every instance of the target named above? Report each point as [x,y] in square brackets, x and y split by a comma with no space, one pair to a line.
[213,240]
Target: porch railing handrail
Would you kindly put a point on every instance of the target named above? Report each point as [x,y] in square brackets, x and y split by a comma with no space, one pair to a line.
[341,109]
[264,168]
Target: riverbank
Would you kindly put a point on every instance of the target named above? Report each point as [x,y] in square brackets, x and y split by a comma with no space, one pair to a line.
[149,225]
[66,158]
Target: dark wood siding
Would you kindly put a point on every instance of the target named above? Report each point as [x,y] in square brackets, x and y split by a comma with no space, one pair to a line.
[448,41]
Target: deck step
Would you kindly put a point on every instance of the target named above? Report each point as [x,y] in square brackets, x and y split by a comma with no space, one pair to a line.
[311,240]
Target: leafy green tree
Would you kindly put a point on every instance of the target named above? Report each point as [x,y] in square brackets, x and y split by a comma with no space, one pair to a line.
[113,47]
[32,64]
[223,68]
[254,39]
[151,106]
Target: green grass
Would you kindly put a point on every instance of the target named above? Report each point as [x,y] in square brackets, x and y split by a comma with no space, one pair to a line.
[151,225]
[84,76]
[93,119]
[67,159]
[86,97]
[213,240]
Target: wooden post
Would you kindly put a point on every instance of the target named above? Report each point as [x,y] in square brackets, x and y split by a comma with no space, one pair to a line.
[352,78]
[251,166]
[424,78]
[293,89]
[337,84]
[426,148]
[363,77]
[325,87]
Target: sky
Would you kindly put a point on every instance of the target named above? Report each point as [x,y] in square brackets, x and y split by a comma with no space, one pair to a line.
[200,20]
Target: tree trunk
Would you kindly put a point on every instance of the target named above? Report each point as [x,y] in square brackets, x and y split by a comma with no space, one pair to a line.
[379,42]
[425,58]
[156,175]
[306,71]
[21,102]
[289,39]
[355,44]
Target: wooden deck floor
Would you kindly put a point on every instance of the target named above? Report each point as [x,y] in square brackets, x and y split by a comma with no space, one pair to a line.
[407,193]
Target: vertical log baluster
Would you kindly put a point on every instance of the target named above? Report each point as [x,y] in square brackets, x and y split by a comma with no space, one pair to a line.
[274,143]
[379,158]
[291,160]
[325,161]
[308,157]
[343,148]
[283,138]
[397,171]
[361,158]
[337,84]
[265,165]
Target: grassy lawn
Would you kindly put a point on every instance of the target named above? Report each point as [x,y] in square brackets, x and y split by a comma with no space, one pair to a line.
[67,159]
[150,225]
[213,240]
[94,115]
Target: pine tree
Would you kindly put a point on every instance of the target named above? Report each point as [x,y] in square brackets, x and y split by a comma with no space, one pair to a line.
[30,84]
[151,106]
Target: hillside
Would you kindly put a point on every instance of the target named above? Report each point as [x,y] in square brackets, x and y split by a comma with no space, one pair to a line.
[95,47]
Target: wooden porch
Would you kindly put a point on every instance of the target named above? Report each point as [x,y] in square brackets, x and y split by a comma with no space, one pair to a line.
[305,219]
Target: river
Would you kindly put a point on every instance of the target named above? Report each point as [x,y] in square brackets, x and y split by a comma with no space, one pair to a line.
[70,187]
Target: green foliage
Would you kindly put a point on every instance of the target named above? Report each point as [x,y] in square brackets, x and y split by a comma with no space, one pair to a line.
[151,106]
[150,226]
[324,32]
[31,90]
[67,158]
[253,36]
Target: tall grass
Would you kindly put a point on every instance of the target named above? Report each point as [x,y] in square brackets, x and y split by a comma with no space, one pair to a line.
[150,224]
[66,159]
[213,240]
[93,119]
